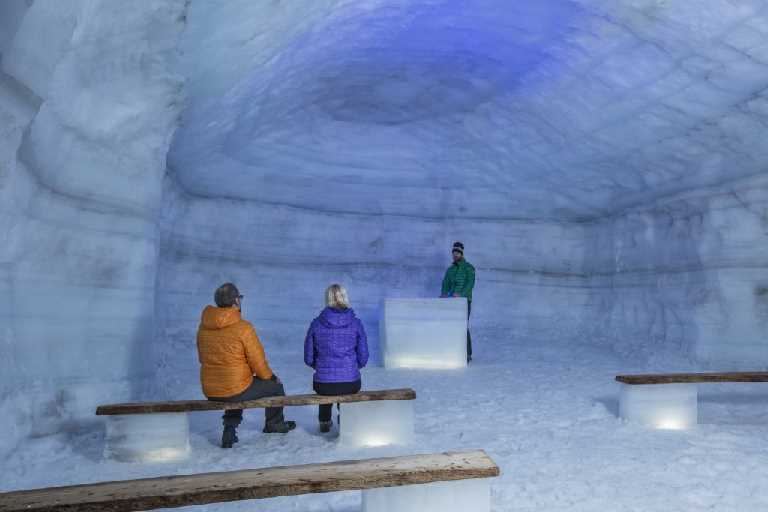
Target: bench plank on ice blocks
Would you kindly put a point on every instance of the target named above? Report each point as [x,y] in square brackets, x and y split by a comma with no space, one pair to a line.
[424,333]
[430,482]
[670,400]
[159,431]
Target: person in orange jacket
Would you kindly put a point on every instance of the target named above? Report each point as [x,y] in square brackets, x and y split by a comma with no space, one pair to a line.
[233,367]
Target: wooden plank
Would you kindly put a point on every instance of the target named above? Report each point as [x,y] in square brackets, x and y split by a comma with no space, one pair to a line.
[692,378]
[273,401]
[201,489]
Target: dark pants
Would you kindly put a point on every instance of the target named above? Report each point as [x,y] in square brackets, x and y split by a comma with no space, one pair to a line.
[330,389]
[258,389]
[469,336]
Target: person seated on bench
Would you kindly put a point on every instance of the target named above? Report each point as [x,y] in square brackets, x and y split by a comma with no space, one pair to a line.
[336,348]
[233,365]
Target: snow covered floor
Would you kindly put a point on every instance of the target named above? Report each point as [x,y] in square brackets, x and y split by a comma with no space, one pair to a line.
[546,412]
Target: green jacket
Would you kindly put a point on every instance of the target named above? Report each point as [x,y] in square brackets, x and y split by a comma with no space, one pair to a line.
[460,279]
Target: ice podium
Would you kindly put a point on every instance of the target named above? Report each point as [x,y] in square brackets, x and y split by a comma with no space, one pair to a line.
[424,333]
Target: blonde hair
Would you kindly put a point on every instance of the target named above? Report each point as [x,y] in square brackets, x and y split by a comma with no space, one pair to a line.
[336,297]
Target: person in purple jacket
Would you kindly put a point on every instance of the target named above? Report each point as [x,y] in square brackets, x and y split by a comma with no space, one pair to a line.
[336,348]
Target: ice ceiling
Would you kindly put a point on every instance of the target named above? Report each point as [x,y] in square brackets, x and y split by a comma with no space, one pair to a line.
[566,110]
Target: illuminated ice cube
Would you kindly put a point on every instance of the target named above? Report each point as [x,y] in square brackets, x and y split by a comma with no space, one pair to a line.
[376,423]
[457,496]
[147,437]
[424,333]
[667,406]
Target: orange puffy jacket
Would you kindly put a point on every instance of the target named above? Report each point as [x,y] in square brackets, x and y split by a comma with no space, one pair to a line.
[230,353]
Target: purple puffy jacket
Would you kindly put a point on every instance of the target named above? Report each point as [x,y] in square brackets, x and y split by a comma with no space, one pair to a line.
[336,346]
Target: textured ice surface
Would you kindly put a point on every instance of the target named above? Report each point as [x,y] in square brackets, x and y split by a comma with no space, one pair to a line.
[147,437]
[424,333]
[686,275]
[88,103]
[457,496]
[665,406]
[557,109]
[377,423]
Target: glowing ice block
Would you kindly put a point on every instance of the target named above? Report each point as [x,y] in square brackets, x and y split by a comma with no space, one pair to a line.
[376,423]
[456,496]
[668,406]
[424,333]
[147,437]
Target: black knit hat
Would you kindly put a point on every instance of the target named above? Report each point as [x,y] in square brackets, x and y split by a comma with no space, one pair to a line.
[226,294]
[458,246]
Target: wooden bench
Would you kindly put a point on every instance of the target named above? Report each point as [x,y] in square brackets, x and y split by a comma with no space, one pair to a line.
[446,482]
[670,400]
[159,431]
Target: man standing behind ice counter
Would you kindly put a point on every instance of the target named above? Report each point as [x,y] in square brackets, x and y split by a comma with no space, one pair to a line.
[458,282]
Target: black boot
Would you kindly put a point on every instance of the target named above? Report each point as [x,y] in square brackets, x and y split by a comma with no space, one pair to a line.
[280,428]
[325,426]
[229,437]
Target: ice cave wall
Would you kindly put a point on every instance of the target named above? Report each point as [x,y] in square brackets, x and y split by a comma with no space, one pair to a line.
[685,275]
[88,106]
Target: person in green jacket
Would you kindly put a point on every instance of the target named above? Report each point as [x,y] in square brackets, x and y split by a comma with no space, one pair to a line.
[458,282]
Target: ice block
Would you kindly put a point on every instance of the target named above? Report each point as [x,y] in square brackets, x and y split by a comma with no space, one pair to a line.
[376,423]
[424,333]
[667,406]
[160,437]
[457,496]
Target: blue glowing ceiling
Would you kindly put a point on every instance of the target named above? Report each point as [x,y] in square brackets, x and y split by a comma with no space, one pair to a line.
[401,63]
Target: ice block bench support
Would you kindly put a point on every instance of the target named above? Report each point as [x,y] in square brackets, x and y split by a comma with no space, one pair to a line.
[447,471]
[670,400]
[159,431]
